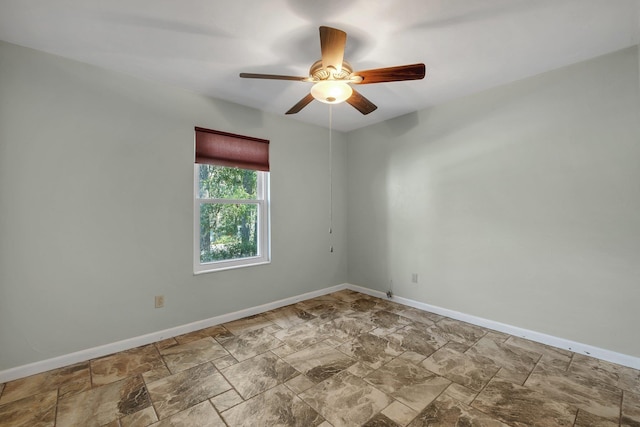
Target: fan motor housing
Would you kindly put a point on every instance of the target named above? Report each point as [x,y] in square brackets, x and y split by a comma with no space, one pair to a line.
[317,72]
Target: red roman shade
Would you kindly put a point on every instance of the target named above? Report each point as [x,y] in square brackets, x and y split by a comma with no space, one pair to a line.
[226,149]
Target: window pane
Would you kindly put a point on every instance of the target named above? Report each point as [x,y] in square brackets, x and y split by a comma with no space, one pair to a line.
[221,182]
[228,231]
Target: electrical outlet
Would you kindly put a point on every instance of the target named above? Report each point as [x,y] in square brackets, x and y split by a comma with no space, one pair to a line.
[414,277]
[159,301]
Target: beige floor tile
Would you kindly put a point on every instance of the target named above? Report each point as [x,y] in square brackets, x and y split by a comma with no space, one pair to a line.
[142,418]
[104,404]
[328,310]
[470,371]
[345,327]
[610,373]
[551,356]
[515,362]
[312,302]
[301,336]
[69,380]
[408,383]
[520,406]
[180,391]
[461,393]
[347,295]
[125,364]
[383,332]
[457,346]
[586,419]
[248,324]
[448,412]
[284,350]
[193,353]
[600,370]
[399,413]
[585,393]
[371,350]
[630,409]
[37,410]
[319,361]
[251,344]
[258,374]
[299,383]
[360,369]
[417,339]
[496,336]
[166,343]
[381,420]
[275,407]
[156,374]
[629,379]
[413,357]
[457,331]
[201,415]
[217,331]
[192,336]
[423,317]
[289,316]
[224,361]
[226,400]
[346,400]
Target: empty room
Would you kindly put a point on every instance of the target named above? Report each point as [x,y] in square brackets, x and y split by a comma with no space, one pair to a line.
[340,213]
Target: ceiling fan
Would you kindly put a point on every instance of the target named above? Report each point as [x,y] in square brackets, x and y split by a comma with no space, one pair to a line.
[332,75]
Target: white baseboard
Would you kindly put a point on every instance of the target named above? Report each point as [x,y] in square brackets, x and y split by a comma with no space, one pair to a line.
[103,350]
[576,347]
[126,344]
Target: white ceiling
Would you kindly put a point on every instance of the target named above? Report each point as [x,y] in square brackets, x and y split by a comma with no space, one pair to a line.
[202,45]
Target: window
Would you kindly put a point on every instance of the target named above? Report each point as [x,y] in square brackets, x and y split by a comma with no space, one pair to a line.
[231,201]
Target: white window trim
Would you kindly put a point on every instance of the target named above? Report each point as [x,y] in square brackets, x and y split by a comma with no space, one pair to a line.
[264,227]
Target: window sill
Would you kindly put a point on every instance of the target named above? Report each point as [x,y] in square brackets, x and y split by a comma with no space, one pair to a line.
[204,270]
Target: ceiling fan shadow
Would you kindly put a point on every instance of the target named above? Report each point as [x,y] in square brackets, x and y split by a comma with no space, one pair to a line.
[318,11]
[302,46]
[171,25]
[401,125]
[474,15]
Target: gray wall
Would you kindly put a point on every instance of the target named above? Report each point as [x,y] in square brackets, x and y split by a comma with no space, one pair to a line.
[520,204]
[96,208]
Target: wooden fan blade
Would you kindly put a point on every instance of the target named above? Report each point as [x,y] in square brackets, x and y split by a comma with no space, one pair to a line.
[332,42]
[392,74]
[301,104]
[271,77]
[361,103]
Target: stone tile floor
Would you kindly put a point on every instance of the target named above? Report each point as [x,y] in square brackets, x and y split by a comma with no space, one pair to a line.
[344,359]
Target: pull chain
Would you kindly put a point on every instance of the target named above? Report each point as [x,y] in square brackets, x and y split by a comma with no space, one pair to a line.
[330,170]
[330,178]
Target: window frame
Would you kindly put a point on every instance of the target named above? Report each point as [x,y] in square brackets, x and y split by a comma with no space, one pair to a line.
[264,226]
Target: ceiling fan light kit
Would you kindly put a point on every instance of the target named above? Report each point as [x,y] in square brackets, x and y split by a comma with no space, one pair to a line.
[331,91]
[332,75]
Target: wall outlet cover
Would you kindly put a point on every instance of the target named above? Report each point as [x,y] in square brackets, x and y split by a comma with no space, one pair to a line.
[159,301]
